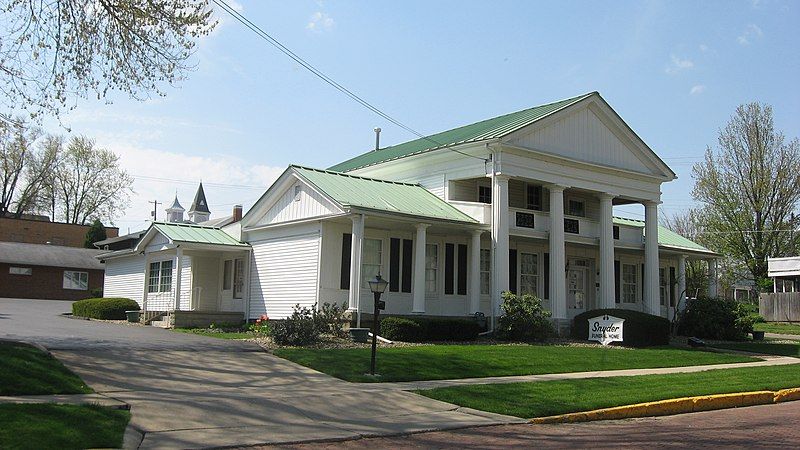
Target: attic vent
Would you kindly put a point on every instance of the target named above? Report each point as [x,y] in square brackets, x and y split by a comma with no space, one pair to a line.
[297,190]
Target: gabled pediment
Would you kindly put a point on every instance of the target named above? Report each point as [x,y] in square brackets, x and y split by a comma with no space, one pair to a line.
[590,131]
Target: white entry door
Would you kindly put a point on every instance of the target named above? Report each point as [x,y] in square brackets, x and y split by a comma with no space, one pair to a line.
[576,290]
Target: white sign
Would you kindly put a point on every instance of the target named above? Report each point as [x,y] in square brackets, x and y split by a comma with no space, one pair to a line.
[605,329]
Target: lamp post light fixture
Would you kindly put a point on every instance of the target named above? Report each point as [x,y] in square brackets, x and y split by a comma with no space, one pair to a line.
[378,286]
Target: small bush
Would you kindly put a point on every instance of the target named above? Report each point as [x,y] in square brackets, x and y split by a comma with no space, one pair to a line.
[523,319]
[716,318]
[401,329]
[639,330]
[297,329]
[330,319]
[261,326]
[104,308]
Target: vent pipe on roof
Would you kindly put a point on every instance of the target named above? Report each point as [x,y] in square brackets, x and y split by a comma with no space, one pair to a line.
[377,131]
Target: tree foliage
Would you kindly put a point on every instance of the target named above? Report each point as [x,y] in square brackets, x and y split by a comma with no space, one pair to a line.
[750,188]
[54,51]
[96,233]
[25,167]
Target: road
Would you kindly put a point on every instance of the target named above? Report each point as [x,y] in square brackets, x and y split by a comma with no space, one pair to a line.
[766,426]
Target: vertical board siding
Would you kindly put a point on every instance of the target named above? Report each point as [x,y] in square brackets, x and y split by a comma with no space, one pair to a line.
[584,137]
[780,306]
[186,283]
[310,204]
[124,278]
[283,274]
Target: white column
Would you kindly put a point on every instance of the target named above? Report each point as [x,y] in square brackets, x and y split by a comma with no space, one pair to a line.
[682,294]
[355,267]
[712,278]
[177,272]
[651,301]
[607,285]
[558,258]
[419,269]
[475,273]
[500,245]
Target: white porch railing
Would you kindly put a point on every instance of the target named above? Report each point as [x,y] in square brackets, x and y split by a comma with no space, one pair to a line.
[522,220]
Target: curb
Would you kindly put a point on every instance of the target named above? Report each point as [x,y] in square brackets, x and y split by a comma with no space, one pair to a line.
[676,406]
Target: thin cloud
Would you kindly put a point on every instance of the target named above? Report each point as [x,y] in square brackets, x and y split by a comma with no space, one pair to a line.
[320,22]
[677,65]
[703,48]
[750,34]
[697,89]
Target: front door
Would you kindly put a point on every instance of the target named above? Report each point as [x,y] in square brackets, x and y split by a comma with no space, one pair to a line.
[576,290]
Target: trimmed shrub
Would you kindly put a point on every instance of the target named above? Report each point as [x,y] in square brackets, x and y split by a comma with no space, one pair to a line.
[716,318]
[421,329]
[640,329]
[297,329]
[106,308]
[523,319]
[401,329]
[330,319]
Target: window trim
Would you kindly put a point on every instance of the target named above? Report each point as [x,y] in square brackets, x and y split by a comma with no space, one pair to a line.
[365,275]
[489,188]
[435,268]
[227,275]
[535,276]
[624,283]
[488,271]
[162,275]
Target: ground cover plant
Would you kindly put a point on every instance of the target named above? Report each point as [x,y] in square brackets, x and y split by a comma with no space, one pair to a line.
[104,308]
[548,398]
[49,426]
[439,362]
[26,370]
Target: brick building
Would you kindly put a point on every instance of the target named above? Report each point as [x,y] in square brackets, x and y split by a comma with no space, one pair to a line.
[38,230]
[49,272]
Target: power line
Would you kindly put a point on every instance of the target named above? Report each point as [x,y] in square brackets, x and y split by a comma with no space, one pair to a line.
[322,76]
[223,185]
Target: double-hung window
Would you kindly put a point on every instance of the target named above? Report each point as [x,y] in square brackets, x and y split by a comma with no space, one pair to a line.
[486,271]
[529,273]
[160,276]
[371,260]
[576,208]
[628,283]
[485,194]
[76,280]
[662,286]
[431,268]
[534,200]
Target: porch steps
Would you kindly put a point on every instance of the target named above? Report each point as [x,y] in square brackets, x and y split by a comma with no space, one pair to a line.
[164,321]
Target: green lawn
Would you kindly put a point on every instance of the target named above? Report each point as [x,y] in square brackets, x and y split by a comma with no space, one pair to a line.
[548,398]
[26,370]
[780,328]
[217,334]
[767,347]
[440,362]
[47,426]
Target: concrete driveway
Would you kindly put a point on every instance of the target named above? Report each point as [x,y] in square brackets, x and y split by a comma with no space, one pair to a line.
[190,391]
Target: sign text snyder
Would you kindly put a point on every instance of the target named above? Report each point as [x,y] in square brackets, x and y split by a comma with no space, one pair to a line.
[605,329]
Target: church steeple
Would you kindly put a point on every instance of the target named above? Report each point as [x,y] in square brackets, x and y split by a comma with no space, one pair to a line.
[175,212]
[199,211]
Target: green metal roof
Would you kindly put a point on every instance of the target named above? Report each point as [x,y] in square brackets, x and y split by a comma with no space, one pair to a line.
[381,195]
[666,237]
[496,127]
[182,232]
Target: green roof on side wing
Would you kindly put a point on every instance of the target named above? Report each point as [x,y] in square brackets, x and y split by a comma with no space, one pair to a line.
[496,127]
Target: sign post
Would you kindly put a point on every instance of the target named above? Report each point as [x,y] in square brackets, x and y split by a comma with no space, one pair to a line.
[605,329]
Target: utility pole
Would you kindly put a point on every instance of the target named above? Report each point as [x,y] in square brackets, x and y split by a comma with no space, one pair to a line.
[155,209]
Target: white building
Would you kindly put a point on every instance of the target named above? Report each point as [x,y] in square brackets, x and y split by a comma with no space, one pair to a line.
[521,202]
[785,273]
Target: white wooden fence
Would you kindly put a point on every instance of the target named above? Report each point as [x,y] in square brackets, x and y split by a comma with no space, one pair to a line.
[780,306]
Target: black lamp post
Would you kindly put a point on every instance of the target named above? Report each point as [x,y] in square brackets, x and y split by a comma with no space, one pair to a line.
[378,286]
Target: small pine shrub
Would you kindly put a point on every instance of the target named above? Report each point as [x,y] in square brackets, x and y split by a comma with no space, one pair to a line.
[523,319]
[297,329]
[106,308]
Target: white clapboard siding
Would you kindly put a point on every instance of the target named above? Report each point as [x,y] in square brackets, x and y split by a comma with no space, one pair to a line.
[124,277]
[584,137]
[298,205]
[433,183]
[284,273]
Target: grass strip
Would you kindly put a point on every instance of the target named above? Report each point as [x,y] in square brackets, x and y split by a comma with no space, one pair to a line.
[547,398]
[766,347]
[779,328]
[441,362]
[49,426]
[217,334]
[26,370]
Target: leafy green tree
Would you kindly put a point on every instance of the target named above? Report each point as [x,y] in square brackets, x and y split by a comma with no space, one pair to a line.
[55,51]
[96,233]
[750,189]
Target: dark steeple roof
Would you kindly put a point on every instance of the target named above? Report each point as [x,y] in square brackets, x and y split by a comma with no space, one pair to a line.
[200,204]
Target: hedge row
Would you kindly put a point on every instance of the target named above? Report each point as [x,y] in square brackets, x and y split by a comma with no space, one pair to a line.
[639,330]
[421,329]
[106,308]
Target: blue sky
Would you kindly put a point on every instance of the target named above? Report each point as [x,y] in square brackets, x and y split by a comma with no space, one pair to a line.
[674,70]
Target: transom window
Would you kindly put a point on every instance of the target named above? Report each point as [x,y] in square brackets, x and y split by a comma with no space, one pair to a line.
[485,194]
[529,274]
[534,197]
[160,276]
[431,268]
[486,271]
[78,281]
[628,283]
[371,260]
